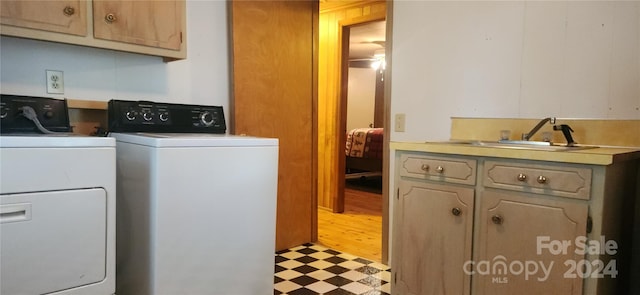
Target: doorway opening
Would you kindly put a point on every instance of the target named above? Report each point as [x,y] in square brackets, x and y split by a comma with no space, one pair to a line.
[355,224]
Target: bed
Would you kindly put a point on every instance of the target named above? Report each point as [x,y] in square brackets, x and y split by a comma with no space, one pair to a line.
[364,151]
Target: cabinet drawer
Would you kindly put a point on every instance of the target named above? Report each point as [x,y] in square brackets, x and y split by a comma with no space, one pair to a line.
[449,169]
[563,181]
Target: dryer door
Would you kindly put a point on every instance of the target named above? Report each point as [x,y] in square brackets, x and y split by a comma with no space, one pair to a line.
[52,241]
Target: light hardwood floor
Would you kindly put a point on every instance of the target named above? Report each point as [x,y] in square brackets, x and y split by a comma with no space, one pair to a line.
[357,231]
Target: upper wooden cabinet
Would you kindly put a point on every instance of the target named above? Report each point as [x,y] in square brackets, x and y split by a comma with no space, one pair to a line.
[69,17]
[150,23]
[148,27]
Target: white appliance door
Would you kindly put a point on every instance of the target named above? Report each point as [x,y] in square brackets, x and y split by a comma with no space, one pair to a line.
[52,241]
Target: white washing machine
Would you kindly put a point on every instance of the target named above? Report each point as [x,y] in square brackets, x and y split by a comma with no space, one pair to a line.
[57,208]
[196,211]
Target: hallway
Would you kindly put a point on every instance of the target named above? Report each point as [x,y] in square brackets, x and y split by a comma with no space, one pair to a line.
[358,230]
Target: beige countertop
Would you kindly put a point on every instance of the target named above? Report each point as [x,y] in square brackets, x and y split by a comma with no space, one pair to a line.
[603,155]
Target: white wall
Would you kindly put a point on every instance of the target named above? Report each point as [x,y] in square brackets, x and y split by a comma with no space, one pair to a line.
[512,59]
[97,74]
[361,97]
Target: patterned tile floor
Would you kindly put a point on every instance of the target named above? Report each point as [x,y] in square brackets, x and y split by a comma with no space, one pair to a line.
[313,269]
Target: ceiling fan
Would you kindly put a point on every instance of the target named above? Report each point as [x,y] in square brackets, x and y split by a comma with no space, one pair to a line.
[367,50]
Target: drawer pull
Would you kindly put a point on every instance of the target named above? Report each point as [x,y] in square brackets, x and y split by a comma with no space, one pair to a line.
[425,167]
[68,11]
[522,177]
[110,18]
[439,169]
[456,211]
[497,219]
[542,179]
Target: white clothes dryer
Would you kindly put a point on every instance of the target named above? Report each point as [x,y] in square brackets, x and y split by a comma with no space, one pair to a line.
[57,208]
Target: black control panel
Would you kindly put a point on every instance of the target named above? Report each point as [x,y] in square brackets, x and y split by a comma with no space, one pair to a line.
[52,113]
[147,116]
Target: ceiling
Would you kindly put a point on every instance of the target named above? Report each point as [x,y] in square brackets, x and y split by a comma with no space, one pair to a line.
[366,39]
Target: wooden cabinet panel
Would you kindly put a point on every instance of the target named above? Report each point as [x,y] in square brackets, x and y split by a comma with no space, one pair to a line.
[152,27]
[149,23]
[558,180]
[509,226]
[434,225]
[69,17]
[449,169]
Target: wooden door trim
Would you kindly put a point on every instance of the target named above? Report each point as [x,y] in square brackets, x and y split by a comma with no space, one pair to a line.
[341,112]
[338,202]
[386,156]
[314,125]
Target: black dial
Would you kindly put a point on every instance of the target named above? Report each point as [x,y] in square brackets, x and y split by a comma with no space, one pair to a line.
[147,116]
[164,117]
[207,118]
[131,115]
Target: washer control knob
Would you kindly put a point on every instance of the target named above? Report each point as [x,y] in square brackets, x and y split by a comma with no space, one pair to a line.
[207,118]
[164,117]
[147,116]
[131,115]
[48,114]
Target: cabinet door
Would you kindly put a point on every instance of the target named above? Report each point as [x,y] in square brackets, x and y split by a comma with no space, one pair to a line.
[511,258]
[68,17]
[433,232]
[150,23]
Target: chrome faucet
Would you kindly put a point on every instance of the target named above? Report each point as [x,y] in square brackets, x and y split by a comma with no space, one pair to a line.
[528,136]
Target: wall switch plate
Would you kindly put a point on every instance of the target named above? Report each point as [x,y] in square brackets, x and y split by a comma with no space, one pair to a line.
[55,82]
[399,123]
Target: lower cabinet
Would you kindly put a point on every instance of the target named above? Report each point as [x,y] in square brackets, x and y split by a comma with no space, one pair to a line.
[488,225]
[520,245]
[435,225]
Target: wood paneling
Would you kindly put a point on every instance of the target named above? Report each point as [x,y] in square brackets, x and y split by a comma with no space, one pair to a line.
[329,66]
[274,95]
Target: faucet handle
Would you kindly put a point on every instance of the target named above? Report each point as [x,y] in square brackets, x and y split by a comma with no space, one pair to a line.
[566,131]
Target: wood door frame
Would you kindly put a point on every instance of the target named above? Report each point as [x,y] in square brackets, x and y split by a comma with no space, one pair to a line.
[338,202]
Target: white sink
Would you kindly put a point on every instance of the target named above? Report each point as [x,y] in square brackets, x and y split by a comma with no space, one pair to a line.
[522,144]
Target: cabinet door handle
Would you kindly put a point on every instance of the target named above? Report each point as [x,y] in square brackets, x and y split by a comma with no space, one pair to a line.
[110,18]
[68,11]
[456,211]
[542,179]
[425,167]
[497,219]
[522,177]
[439,169]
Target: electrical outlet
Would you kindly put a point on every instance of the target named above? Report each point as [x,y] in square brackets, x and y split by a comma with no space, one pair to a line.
[55,82]
[399,125]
